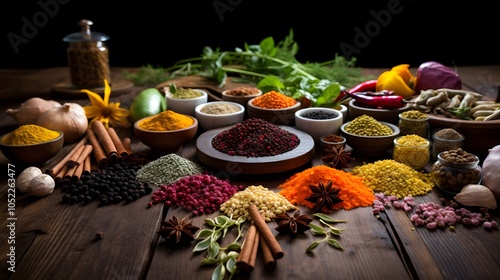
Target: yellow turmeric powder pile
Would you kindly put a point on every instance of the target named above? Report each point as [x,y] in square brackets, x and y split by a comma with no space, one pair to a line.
[166,121]
[29,134]
[393,178]
[353,191]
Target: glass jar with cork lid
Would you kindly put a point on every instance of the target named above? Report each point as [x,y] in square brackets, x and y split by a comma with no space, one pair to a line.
[88,57]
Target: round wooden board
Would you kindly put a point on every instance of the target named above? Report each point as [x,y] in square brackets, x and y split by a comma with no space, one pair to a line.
[297,157]
[67,90]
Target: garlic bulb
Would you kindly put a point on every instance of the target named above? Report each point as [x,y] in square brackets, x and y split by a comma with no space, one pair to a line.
[69,118]
[476,195]
[30,110]
[41,185]
[25,177]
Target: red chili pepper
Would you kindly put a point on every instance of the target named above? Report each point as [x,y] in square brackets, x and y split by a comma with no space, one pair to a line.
[381,101]
[370,85]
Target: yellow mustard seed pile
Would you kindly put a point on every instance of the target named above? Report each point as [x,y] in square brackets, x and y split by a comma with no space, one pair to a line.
[414,115]
[394,179]
[366,125]
[268,202]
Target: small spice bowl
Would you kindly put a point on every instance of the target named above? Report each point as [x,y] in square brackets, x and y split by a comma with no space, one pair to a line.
[333,141]
[318,121]
[284,116]
[185,105]
[241,94]
[166,141]
[382,115]
[33,154]
[370,146]
[217,114]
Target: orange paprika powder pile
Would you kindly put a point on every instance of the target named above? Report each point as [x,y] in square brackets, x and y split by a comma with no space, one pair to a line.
[353,191]
[273,100]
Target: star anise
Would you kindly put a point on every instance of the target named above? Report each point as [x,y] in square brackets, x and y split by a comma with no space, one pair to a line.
[324,195]
[180,231]
[337,157]
[294,224]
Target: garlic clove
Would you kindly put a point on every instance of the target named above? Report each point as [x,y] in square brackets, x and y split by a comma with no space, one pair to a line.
[476,195]
[25,177]
[30,110]
[41,185]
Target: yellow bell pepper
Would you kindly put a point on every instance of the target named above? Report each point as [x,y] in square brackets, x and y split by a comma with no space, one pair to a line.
[399,79]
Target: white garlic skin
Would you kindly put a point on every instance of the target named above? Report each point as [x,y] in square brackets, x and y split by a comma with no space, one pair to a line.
[476,195]
[41,185]
[25,177]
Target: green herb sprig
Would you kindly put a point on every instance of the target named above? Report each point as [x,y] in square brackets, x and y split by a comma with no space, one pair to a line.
[329,233]
[223,257]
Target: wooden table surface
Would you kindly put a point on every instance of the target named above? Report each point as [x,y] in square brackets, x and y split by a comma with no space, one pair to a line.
[56,241]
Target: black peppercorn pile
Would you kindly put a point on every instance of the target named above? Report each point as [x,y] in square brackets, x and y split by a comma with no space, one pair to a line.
[255,137]
[319,115]
[110,185]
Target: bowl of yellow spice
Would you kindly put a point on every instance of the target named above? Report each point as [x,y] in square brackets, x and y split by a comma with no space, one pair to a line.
[369,137]
[167,131]
[31,144]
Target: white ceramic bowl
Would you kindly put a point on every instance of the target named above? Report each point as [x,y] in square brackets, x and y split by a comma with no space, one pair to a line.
[318,127]
[210,121]
[185,106]
[370,146]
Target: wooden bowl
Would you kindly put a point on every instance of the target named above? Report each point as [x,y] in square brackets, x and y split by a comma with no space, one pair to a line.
[166,141]
[285,116]
[381,115]
[480,136]
[34,154]
[240,99]
[370,146]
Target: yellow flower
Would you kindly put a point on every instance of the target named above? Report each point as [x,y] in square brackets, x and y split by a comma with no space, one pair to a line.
[110,114]
[399,79]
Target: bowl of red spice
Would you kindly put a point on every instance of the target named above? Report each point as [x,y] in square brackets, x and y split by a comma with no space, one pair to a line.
[167,131]
[241,95]
[31,144]
[274,107]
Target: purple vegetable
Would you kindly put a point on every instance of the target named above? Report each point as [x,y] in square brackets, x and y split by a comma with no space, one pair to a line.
[434,75]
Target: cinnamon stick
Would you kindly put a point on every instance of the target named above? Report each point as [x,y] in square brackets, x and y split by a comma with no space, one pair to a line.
[61,164]
[72,161]
[120,148]
[265,231]
[98,151]
[78,173]
[105,140]
[243,260]
[87,165]
[255,249]
[267,255]
[127,143]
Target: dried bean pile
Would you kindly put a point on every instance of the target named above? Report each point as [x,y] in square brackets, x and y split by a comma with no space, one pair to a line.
[255,137]
[109,185]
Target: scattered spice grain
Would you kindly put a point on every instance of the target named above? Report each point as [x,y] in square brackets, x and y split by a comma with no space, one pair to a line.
[366,125]
[255,137]
[394,178]
[353,191]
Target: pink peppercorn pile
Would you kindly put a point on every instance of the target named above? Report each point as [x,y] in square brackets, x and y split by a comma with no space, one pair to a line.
[200,194]
[255,137]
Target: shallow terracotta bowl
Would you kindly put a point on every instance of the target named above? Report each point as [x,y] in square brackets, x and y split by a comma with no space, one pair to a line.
[166,141]
[370,146]
[34,154]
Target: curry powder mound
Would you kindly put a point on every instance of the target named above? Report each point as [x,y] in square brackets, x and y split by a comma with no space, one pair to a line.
[29,134]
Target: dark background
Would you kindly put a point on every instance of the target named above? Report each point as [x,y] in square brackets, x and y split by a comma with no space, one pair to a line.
[160,33]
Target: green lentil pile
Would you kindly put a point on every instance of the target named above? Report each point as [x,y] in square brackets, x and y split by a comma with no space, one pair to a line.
[366,125]
[167,169]
[268,202]
[393,178]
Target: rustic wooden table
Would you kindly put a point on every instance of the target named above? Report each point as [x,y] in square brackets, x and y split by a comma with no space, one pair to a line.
[51,240]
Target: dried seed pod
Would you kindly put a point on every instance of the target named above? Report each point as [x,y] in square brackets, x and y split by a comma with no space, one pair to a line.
[476,195]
